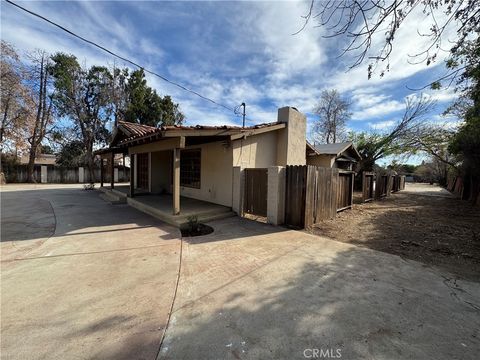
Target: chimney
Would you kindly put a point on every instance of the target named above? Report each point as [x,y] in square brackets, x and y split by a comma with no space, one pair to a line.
[291,144]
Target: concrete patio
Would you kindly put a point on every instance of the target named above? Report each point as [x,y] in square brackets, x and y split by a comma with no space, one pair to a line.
[160,206]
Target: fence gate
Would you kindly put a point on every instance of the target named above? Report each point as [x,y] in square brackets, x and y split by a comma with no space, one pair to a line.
[367,186]
[313,194]
[256,183]
[345,190]
[295,196]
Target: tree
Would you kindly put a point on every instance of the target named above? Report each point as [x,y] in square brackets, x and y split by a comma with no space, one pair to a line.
[402,169]
[432,140]
[374,146]
[134,101]
[333,113]
[39,83]
[72,154]
[119,96]
[46,149]
[83,94]
[466,142]
[14,100]
[363,21]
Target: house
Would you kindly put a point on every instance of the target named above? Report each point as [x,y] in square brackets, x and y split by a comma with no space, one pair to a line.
[339,155]
[201,166]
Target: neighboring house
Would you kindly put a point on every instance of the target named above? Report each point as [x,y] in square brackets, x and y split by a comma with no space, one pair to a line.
[202,162]
[339,155]
[40,159]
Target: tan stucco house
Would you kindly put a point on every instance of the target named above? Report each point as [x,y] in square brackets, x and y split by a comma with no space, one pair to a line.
[205,162]
[339,155]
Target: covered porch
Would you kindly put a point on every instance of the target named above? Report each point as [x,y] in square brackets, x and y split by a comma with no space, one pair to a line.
[160,206]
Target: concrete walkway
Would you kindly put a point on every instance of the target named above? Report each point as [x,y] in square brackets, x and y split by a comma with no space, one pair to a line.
[90,280]
[82,279]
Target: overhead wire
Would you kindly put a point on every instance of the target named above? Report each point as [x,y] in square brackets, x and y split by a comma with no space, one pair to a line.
[122,57]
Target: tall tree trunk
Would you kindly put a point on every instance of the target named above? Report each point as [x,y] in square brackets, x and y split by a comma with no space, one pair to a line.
[2,130]
[41,120]
[89,159]
[34,138]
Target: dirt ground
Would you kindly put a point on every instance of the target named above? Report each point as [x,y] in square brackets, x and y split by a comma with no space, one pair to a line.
[423,223]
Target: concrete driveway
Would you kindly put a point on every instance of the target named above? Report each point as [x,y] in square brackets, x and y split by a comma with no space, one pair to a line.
[253,291]
[101,287]
[82,279]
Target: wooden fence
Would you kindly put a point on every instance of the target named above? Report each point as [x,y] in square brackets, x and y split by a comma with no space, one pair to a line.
[316,193]
[381,184]
[56,174]
[465,188]
[368,182]
[256,183]
[377,186]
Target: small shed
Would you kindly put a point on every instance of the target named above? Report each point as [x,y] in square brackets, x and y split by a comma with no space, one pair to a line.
[339,155]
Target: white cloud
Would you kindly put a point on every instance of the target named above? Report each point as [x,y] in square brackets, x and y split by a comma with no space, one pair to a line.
[378,110]
[241,52]
[382,125]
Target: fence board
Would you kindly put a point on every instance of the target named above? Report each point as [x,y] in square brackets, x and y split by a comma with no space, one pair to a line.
[315,193]
[367,186]
[256,189]
[344,191]
[295,196]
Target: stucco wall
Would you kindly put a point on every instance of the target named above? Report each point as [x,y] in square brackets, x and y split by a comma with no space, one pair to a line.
[259,151]
[161,171]
[160,145]
[291,140]
[215,175]
[321,160]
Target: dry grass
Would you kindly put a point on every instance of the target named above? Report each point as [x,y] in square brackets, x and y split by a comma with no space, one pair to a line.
[434,230]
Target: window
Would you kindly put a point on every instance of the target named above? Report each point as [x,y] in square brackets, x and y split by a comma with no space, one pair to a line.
[142,171]
[190,161]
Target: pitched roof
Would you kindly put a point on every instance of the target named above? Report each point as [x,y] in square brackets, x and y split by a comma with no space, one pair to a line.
[335,149]
[134,131]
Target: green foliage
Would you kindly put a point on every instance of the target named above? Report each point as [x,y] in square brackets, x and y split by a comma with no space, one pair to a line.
[72,154]
[372,147]
[45,149]
[192,223]
[402,169]
[466,142]
[145,106]
[83,95]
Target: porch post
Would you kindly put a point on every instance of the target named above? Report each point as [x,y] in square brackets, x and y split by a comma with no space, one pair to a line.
[101,172]
[123,164]
[112,167]
[176,181]
[132,180]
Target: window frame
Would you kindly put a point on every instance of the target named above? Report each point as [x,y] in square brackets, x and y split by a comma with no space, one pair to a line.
[192,180]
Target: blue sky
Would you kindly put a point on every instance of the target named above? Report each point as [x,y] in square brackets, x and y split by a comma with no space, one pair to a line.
[233,52]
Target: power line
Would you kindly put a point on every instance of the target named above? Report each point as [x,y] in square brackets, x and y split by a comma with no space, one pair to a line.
[120,57]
